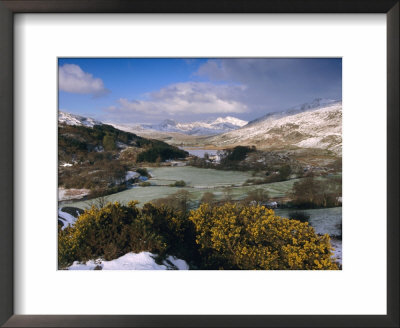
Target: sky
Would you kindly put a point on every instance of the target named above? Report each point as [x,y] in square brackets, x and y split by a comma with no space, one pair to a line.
[150,90]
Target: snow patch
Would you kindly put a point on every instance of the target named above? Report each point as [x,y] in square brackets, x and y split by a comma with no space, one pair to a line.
[133,261]
[121,145]
[337,253]
[312,143]
[130,175]
[66,218]
[68,194]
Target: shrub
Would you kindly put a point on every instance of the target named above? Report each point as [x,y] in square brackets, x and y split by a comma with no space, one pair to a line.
[220,237]
[284,172]
[179,183]
[143,172]
[252,237]
[109,142]
[208,197]
[311,192]
[258,195]
[161,151]
[115,230]
[238,153]
[178,201]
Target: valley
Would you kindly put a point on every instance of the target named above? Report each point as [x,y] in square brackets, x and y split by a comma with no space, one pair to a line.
[267,162]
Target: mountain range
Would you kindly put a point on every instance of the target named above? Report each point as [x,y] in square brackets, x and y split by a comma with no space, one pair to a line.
[196,128]
[317,124]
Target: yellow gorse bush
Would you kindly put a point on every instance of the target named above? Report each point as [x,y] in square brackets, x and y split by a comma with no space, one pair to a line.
[253,237]
[220,237]
[116,229]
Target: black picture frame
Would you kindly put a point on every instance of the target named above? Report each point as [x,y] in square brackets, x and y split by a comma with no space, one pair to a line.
[10,7]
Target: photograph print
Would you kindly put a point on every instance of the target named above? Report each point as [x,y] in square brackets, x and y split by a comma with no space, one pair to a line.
[199,164]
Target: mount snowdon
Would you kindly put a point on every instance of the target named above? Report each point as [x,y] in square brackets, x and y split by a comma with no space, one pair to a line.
[199,128]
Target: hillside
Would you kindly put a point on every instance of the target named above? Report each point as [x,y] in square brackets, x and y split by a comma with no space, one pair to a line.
[319,128]
[72,119]
[98,159]
[76,142]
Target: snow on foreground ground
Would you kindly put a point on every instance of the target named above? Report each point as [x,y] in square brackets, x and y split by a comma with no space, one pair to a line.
[68,194]
[132,261]
[66,218]
[337,245]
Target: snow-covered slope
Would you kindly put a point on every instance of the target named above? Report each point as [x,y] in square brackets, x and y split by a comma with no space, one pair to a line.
[72,119]
[315,104]
[316,127]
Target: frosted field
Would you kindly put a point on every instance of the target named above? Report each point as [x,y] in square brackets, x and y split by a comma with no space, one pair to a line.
[197,177]
[198,182]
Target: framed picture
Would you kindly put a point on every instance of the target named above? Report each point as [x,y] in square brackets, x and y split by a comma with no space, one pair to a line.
[191,155]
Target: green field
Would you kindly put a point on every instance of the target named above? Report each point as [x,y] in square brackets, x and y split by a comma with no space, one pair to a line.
[198,182]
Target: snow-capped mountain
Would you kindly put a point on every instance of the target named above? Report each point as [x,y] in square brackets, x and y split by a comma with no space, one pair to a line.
[197,128]
[217,126]
[72,119]
[306,127]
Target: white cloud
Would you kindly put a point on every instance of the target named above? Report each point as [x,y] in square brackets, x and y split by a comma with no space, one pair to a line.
[186,98]
[278,83]
[71,78]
